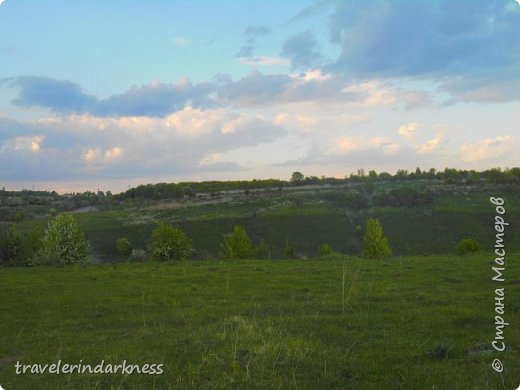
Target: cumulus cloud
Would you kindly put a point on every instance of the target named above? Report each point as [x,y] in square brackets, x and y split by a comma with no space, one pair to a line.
[154,99]
[469,47]
[158,99]
[85,146]
[430,145]
[302,50]
[347,145]
[487,148]
[57,95]
[408,130]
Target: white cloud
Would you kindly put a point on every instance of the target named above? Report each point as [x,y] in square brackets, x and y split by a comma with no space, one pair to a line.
[347,144]
[487,148]
[372,92]
[354,144]
[91,154]
[263,61]
[113,153]
[430,145]
[23,143]
[408,131]
[210,159]
[312,75]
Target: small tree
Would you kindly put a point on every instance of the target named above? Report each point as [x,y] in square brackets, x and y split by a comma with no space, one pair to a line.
[123,246]
[467,245]
[237,245]
[297,177]
[375,243]
[63,243]
[325,250]
[169,243]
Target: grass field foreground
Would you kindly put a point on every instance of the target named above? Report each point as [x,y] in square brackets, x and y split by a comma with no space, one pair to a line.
[336,323]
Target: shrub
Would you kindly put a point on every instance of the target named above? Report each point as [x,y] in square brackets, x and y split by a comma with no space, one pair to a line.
[375,243]
[16,249]
[10,246]
[63,243]
[123,246]
[138,255]
[325,250]
[467,245]
[237,245]
[169,243]
[262,250]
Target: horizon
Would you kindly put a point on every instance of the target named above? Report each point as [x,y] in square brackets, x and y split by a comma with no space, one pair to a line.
[161,92]
[287,180]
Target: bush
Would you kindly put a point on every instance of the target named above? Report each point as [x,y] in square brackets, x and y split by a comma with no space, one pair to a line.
[375,243]
[467,245]
[16,249]
[325,250]
[169,243]
[123,246]
[237,245]
[63,243]
[138,255]
[262,251]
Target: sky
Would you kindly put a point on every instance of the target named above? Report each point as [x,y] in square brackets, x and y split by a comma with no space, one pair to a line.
[107,95]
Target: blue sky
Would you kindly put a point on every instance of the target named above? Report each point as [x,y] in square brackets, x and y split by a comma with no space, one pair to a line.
[111,94]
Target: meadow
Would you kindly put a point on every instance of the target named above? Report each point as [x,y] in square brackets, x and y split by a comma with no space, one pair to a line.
[421,319]
[416,322]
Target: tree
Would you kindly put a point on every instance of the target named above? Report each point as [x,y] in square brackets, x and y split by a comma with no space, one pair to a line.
[325,250]
[297,177]
[375,243]
[467,245]
[123,246]
[63,243]
[237,245]
[169,243]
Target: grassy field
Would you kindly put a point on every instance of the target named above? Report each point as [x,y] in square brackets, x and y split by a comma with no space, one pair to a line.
[423,322]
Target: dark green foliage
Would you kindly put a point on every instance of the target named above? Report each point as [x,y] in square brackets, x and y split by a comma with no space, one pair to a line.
[237,245]
[123,246]
[16,249]
[169,243]
[297,177]
[63,243]
[375,243]
[262,250]
[325,250]
[467,245]
[404,197]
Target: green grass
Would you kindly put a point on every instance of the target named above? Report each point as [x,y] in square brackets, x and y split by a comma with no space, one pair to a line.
[403,323]
[309,223]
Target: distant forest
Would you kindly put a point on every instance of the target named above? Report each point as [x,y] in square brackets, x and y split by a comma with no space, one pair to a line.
[163,191]
[448,176]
